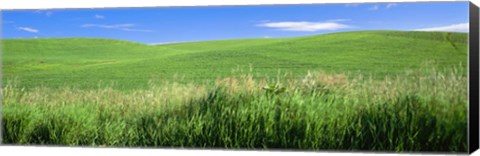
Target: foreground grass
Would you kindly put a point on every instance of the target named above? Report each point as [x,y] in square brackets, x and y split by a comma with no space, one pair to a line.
[423,110]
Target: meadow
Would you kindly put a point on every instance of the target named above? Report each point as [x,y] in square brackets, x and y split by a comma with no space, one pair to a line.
[367,90]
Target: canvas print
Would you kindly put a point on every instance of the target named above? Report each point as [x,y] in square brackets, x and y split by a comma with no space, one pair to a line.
[388,77]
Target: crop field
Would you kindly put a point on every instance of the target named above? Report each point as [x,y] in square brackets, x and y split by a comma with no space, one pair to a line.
[363,90]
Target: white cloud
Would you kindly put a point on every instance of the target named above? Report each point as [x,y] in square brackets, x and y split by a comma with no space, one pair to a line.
[28,29]
[47,13]
[123,27]
[304,26]
[99,17]
[461,27]
[389,5]
[375,7]
[267,36]
[378,7]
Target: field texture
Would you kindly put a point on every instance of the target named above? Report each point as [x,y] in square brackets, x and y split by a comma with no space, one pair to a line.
[370,90]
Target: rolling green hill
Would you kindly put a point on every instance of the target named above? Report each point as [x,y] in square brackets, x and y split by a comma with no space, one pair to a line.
[86,61]
[423,109]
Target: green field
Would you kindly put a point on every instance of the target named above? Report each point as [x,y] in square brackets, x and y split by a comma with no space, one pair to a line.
[364,90]
[86,62]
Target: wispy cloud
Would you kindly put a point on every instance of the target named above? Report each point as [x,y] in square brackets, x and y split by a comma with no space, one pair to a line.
[378,6]
[461,27]
[46,13]
[375,7]
[28,29]
[389,5]
[99,16]
[304,25]
[123,27]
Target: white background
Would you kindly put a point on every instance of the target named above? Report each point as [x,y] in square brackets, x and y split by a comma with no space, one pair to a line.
[73,151]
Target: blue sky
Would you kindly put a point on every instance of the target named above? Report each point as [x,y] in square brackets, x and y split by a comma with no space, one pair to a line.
[184,24]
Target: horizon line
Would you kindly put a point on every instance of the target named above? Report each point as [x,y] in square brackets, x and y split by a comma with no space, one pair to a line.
[193,41]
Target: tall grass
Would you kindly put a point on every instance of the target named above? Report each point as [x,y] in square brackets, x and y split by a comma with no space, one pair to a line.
[418,111]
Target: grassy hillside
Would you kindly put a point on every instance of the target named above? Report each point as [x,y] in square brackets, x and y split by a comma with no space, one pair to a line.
[85,62]
[369,90]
